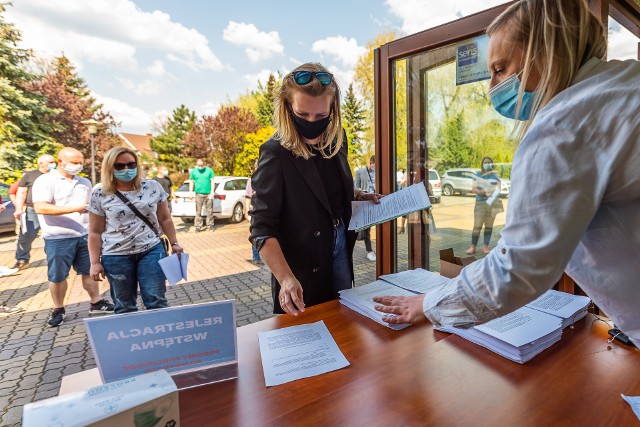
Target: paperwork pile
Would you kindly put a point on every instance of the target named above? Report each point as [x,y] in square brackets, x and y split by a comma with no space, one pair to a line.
[526,332]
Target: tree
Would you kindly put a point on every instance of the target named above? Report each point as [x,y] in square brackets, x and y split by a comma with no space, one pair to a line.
[25,129]
[354,121]
[265,96]
[67,93]
[246,160]
[454,150]
[169,143]
[221,138]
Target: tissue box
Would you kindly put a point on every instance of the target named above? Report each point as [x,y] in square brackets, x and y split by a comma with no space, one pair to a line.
[144,400]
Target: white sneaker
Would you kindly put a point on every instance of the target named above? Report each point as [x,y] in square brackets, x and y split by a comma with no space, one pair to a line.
[372,256]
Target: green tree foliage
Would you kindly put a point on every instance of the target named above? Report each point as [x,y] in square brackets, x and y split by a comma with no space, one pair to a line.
[169,144]
[265,97]
[246,160]
[221,138]
[354,122]
[454,150]
[67,93]
[25,129]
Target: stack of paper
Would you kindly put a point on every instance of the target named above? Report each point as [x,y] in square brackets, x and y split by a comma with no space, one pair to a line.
[175,268]
[360,300]
[419,280]
[524,333]
[570,308]
[518,336]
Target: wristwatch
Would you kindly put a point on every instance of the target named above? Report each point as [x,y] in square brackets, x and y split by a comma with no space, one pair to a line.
[175,244]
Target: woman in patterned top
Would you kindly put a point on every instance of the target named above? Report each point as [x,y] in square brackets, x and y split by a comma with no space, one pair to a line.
[122,247]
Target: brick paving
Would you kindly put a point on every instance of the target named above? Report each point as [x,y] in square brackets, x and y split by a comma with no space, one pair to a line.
[35,357]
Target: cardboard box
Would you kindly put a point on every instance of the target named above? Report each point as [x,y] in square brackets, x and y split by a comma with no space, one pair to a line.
[145,400]
[451,265]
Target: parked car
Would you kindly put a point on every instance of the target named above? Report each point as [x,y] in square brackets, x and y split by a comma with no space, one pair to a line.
[228,200]
[460,180]
[435,185]
[7,221]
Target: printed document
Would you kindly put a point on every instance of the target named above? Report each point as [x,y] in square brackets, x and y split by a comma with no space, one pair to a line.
[420,281]
[570,308]
[302,351]
[175,269]
[405,201]
[634,401]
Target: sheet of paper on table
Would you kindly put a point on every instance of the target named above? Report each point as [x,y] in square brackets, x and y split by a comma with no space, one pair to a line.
[634,401]
[394,205]
[296,352]
[420,281]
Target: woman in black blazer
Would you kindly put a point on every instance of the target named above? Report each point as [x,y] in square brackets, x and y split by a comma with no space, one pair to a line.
[303,192]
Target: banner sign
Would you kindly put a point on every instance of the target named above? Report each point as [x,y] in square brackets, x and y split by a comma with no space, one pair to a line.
[471,61]
[177,339]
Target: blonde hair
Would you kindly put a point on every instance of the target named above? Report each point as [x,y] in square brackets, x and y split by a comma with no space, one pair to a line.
[286,130]
[108,180]
[557,38]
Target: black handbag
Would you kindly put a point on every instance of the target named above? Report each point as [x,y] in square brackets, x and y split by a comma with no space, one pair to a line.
[163,237]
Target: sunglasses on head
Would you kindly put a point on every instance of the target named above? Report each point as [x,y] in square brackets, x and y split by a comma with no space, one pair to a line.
[120,166]
[304,77]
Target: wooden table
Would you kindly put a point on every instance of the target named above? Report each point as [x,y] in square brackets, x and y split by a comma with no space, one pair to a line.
[419,376]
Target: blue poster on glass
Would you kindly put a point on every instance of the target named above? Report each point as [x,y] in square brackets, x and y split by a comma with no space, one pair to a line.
[177,339]
[471,61]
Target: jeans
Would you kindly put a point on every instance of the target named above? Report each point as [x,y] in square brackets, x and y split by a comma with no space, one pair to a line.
[126,272]
[341,266]
[203,199]
[62,254]
[482,215]
[367,239]
[256,254]
[26,239]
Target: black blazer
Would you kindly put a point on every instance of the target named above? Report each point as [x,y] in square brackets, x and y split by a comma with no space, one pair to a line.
[291,205]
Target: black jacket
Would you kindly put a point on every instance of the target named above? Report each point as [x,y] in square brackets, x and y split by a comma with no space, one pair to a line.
[291,205]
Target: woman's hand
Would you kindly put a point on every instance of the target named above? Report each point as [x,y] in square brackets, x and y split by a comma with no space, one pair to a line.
[177,249]
[375,197]
[406,309]
[291,296]
[97,271]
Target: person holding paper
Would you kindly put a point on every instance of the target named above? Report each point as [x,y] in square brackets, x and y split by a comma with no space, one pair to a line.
[485,184]
[366,181]
[303,192]
[575,199]
[124,247]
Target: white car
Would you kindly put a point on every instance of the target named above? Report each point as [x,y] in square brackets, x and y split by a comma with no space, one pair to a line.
[436,186]
[228,200]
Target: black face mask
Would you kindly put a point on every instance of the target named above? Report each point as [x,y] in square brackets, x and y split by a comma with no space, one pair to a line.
[310,130]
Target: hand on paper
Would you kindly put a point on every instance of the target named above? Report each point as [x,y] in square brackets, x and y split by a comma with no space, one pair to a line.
[96,272]
[375,197]
[291,296]
[177,249]
[406,309]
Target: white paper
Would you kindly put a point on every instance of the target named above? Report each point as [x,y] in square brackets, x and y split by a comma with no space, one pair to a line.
[6,271]
[634,401]
[570,308]
[360,299]
[302,351]
[23,223]
[5,204]
[399,203]
[520,327]
[420,281]
[175,269]
[97,403]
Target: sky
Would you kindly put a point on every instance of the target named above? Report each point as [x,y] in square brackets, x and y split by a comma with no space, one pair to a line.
[143,58]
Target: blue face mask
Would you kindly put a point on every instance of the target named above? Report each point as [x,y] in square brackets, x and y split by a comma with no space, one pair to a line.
[126,175]
[504,97]
[52,166]
[487,166]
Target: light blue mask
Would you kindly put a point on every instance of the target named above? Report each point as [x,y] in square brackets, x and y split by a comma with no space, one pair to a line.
[504,97]
[126,175]
[52,166]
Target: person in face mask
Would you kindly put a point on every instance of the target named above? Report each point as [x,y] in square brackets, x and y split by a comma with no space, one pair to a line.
[123,247]
[303,192]
[485,183]
[60,199]
[575,194]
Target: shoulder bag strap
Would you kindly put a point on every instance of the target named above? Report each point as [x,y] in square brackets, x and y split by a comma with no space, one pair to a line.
[137,212]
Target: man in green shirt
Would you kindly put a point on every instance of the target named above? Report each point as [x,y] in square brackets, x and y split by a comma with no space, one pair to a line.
[202,182]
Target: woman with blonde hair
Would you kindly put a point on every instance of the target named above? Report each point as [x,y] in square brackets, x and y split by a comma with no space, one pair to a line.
[303,192]
[575,194]
[127,214]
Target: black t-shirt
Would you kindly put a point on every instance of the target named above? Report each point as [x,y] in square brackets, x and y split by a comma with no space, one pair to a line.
[27,181]
[330,176]
[165,183]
